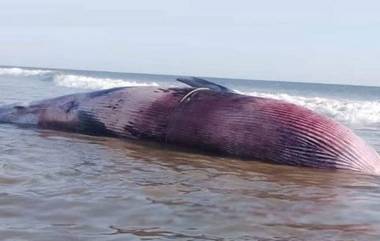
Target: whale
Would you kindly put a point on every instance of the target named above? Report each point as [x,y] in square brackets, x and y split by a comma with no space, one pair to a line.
[206,117]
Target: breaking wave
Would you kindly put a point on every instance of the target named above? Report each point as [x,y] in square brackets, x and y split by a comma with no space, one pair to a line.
[71,80]
[353,112]
[86,82]
[23,72]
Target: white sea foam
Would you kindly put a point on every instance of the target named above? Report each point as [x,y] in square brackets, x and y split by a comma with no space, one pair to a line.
[348,111]
[23,72]
[86,82]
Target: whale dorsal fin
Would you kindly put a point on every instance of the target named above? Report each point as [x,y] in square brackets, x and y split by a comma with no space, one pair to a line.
[201,83]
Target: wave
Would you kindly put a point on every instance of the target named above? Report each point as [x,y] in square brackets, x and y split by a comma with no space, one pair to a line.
[86,82]
[73,80]
[23,72]
[354,112]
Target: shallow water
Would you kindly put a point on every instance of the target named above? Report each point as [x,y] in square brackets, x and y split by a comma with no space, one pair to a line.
[63,186]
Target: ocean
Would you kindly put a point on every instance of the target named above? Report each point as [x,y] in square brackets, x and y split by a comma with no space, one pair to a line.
[66,186]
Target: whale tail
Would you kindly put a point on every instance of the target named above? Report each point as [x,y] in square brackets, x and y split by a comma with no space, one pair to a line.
[201,83]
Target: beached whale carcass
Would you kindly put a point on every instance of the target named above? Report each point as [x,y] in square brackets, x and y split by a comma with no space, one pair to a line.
[206,117]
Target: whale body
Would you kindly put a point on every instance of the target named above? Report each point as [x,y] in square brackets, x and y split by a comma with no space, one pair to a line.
[206,117]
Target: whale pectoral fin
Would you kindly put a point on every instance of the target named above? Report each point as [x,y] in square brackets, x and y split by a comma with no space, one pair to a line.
[201,83]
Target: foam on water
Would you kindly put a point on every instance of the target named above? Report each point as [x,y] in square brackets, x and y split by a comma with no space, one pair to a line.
[74,80]
[23,72]
[86,82]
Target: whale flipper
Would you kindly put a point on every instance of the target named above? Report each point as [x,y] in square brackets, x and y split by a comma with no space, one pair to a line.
[201,83]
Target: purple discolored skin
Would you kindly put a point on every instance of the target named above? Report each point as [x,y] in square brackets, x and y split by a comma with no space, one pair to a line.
[220,122]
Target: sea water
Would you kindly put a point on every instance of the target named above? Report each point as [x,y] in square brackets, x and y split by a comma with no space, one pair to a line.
[65,186]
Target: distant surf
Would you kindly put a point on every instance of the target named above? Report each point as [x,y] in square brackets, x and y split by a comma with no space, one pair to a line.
[73,80]
[23,71]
